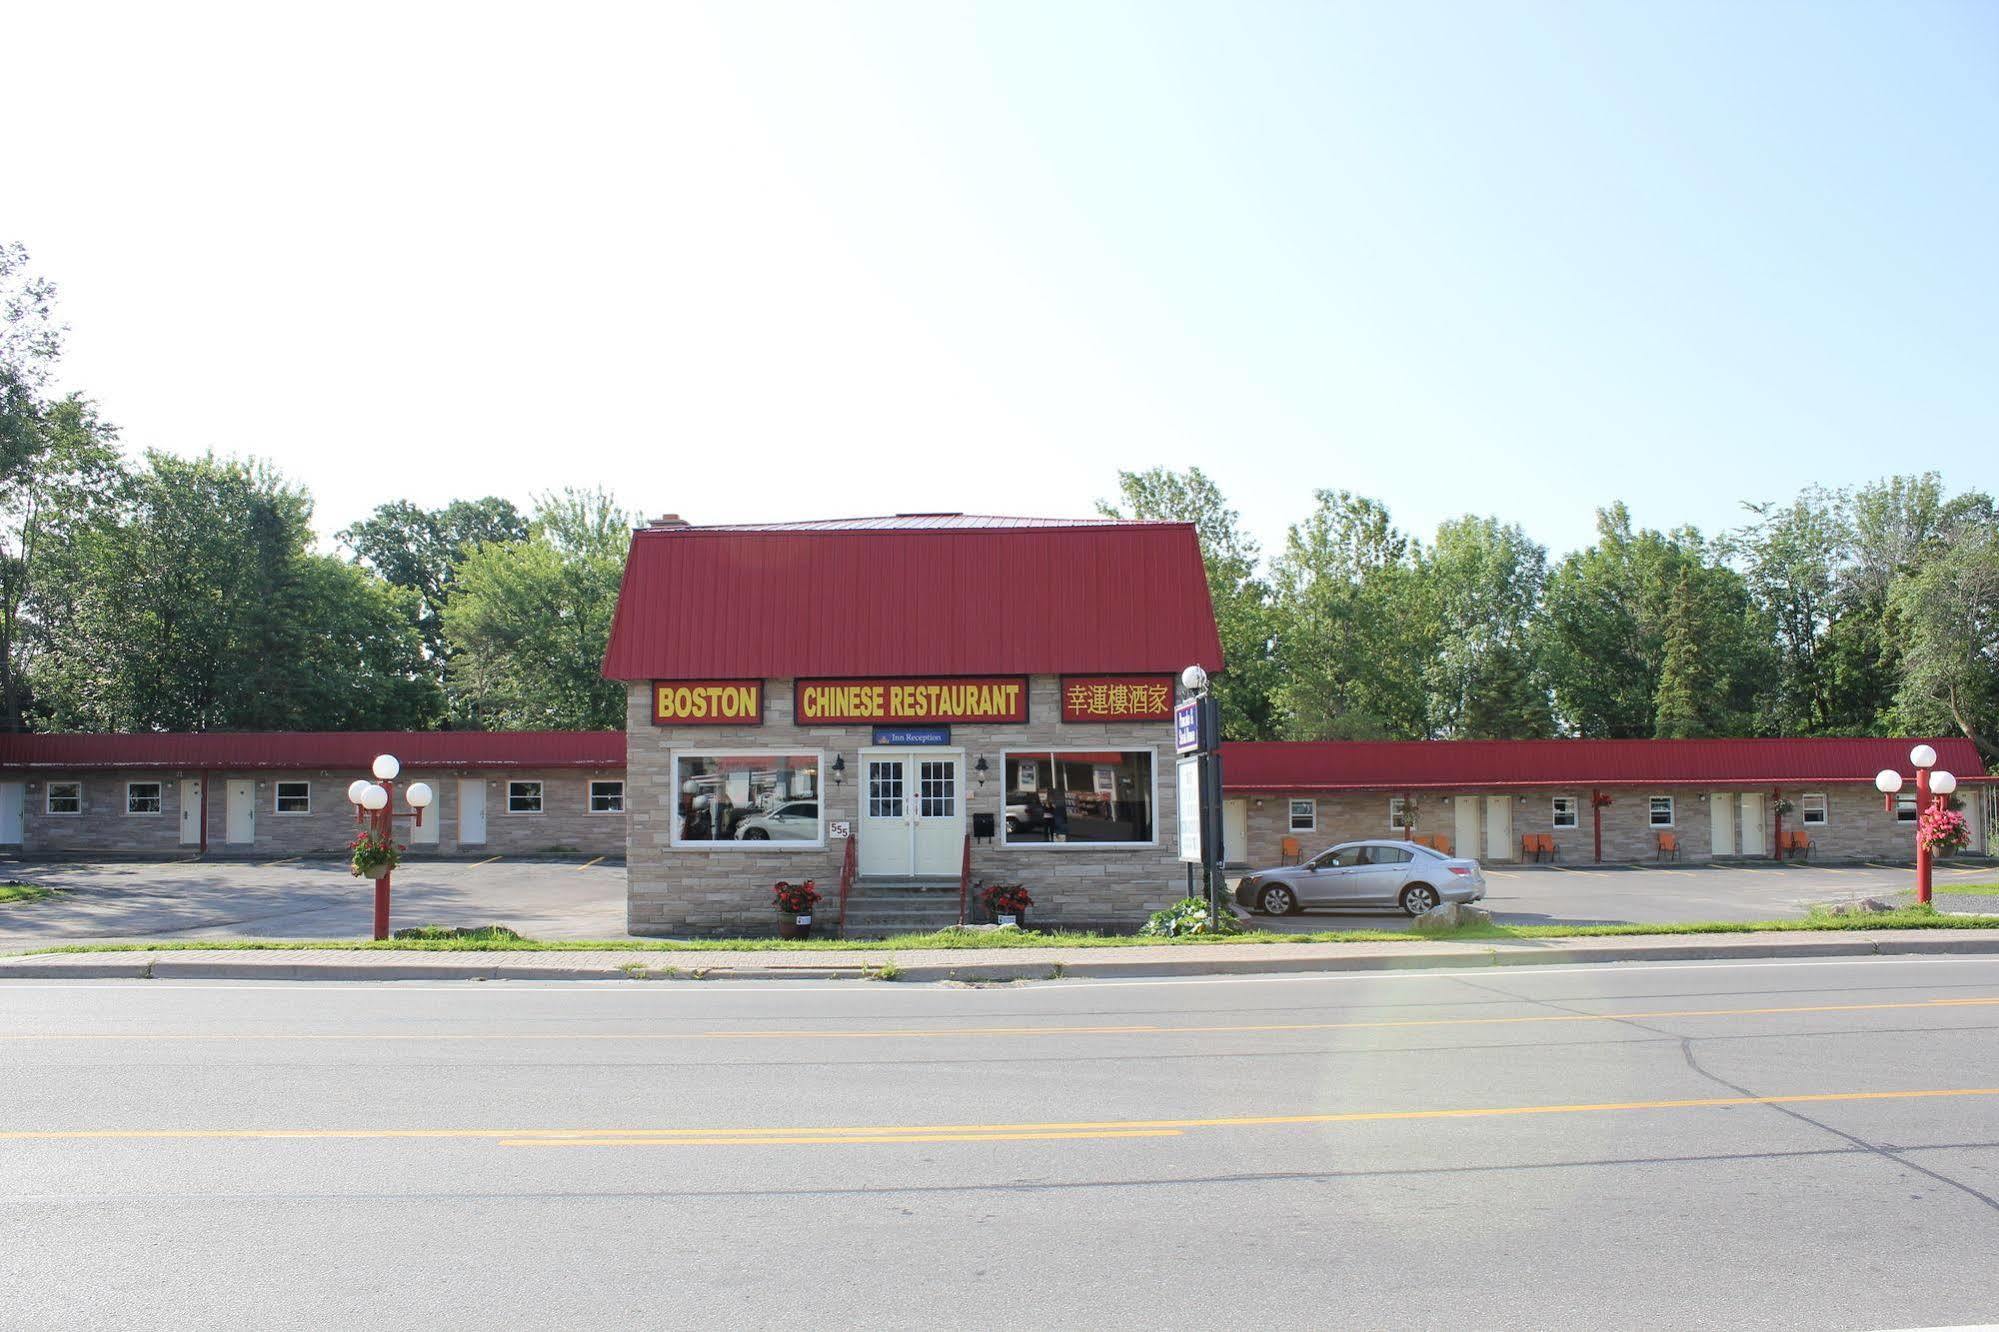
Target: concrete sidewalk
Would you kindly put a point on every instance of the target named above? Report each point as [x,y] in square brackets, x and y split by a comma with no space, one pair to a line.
[985,964]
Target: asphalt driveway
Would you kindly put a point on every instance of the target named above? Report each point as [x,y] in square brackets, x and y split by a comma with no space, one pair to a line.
[140,901]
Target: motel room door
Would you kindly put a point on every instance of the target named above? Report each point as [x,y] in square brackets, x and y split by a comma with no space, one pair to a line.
[1464,826]
[1235,832]
[1498,828]
[239,821]
[13,806]
[472,811]
[912,813]
[1755,837]
[1721,823]
[191,812]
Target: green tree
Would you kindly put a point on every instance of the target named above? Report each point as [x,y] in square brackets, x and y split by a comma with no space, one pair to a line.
[1241,598]
[526,622]
[1483,585]
[1354,627]
[1947,608]
[419,549]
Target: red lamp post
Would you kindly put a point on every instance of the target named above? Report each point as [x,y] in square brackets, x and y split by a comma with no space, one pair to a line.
[375,808]
[1932,788]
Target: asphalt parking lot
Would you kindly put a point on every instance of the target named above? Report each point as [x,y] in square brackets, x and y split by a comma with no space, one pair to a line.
[142,901]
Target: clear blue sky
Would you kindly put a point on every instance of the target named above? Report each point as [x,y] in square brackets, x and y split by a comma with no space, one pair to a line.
[750,260]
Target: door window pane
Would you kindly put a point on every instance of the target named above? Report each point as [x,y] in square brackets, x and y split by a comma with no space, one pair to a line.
[884,788]
[937,790]
[748,798]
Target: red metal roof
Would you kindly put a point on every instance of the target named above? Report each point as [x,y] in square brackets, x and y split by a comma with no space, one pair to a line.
[911,522]
[919,595]
[1396,765]
[355,750]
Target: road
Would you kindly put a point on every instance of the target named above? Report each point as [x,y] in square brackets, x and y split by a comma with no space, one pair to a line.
[1777,1144]
[545,899]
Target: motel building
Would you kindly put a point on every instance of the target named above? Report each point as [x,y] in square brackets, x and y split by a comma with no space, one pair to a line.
[907,706]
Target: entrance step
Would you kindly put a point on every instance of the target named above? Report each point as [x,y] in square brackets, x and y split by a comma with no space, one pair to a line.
[879,907]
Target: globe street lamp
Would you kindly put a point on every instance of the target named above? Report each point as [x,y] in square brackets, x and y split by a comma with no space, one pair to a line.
[374,807]
[1932,789]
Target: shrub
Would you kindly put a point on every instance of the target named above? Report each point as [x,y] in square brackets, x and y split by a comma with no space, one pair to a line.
[475,933]
[1190,915]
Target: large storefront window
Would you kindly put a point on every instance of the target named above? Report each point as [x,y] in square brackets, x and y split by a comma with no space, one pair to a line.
[748,799]
[1101,797]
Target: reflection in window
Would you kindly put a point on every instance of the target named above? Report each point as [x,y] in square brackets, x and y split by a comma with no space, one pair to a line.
[1102,796]
[749,798]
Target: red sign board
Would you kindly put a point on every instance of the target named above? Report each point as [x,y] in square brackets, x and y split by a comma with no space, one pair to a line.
[1099,698]
[995,698]
[707,702]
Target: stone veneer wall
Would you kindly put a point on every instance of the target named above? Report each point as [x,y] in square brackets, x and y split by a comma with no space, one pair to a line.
[1856,827]
[691,890]
[564,827]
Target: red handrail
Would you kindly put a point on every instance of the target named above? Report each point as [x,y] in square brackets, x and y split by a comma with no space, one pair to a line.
[965,879]
[847,864]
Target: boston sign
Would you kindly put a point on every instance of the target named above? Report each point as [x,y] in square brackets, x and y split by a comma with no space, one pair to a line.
[972,699]
[707,702]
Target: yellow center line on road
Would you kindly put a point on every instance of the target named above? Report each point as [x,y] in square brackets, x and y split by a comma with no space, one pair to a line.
[966,1033]
[927,1133]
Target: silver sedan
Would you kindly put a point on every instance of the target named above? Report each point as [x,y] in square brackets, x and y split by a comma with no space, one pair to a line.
[1360,874]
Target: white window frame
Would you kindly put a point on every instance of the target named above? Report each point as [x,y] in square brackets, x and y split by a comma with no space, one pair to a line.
[1805,818]
[1905,808]
[590,795]
[540,796]
[278,795]
[160,800]
[818,757]
[1311,823]
[1398,814]
[1057,750]
[49,797]
[1575,812]
[1672,812]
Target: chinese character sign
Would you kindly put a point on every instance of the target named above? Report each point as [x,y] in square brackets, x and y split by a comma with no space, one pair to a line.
[1100,698]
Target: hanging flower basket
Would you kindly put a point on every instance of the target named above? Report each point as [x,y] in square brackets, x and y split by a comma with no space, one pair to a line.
[1942,832]
[371,856]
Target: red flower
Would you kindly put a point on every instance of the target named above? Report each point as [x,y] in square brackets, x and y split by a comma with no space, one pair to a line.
[794,899]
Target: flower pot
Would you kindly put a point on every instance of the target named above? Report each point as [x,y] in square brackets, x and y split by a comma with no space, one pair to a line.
[794,927]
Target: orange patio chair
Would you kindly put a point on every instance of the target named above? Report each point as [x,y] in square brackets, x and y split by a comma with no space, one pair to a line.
[1546,843]
[1441,843]
[1801,844]
[1669,846]
[1292,850]
[1530,847]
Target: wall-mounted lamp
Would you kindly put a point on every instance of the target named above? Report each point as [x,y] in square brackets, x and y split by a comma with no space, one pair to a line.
[979,770]
[839,768]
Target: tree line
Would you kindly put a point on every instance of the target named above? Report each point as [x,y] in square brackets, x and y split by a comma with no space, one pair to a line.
[169,593]
[1869,611]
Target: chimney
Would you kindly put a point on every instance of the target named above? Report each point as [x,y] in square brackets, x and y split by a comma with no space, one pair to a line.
[667,520]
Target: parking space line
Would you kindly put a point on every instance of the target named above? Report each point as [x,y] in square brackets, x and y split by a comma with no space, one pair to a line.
[588,863]
[272,864]
[487,861]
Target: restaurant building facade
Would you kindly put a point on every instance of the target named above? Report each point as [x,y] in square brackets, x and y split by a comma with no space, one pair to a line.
[904,706]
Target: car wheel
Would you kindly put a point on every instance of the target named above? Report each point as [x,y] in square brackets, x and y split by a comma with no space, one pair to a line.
[1418,898]
[1012,824]
[756,835]
[1277,900]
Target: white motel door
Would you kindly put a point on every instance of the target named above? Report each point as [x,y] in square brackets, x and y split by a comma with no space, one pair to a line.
[1721,823]
[1464,825]
[13,803]
[472,811]
[190,811]
[239,825]
[1754,838]
[1235,832]
[1498,828]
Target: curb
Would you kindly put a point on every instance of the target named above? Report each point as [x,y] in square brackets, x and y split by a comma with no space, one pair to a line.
[1084,964]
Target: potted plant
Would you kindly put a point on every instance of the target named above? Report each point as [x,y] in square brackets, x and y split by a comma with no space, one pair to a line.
[372,856]
[1008,903]
[795,901]
[1942,832]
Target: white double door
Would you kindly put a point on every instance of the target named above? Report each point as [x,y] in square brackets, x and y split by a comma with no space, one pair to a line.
[912,818]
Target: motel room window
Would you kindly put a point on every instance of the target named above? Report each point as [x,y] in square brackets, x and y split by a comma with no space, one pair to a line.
[1905,809]
[1096,797]
[523,797]
[1812,809]
[293,798]
[1397,822]
[607,797]
[1662,811]
[1304,816]
[142,797]
[743,800]
[65,797]
[1564,812]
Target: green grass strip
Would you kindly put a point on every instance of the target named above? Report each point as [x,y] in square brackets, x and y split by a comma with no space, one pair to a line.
[1908,918]
[23,892]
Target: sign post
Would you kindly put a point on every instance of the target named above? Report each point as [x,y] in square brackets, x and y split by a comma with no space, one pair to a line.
[1197,735]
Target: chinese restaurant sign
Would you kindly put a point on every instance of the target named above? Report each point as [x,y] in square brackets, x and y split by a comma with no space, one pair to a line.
[1088,698]
[978,699]
[707,702]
